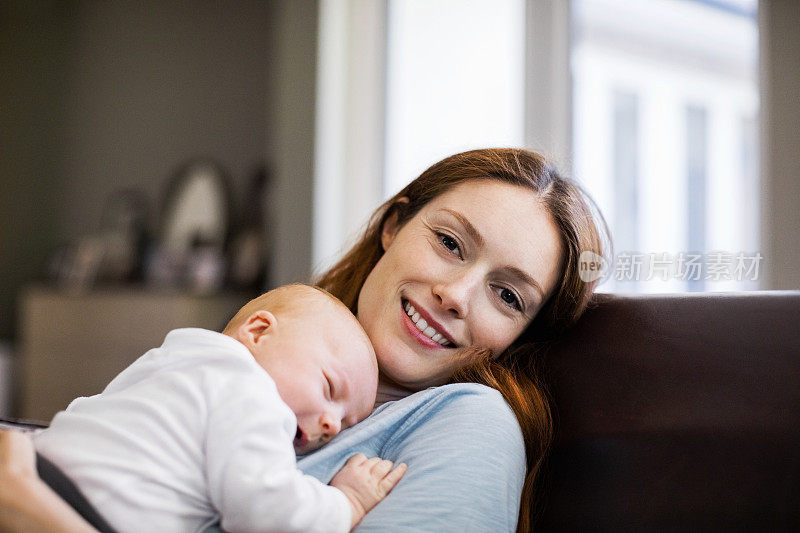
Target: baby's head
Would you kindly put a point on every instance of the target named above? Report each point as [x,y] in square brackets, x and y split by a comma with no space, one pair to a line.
[318,355]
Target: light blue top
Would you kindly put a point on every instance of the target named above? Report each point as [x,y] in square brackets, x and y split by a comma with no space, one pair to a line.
[465,456]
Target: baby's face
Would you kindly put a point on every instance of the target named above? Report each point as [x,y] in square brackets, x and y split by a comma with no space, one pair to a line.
[324,367]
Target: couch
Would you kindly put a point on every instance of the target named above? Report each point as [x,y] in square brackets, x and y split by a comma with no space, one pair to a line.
[676,413]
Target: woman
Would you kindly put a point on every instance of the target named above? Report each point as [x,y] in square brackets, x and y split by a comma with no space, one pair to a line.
[456,280]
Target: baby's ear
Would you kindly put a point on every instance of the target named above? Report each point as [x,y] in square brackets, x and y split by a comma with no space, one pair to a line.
[256,326]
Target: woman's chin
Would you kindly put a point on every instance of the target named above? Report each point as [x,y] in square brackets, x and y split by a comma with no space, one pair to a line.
[406,363]
[412,378]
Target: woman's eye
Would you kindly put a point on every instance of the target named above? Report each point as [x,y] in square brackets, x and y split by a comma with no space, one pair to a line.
[510,298]
[449,243]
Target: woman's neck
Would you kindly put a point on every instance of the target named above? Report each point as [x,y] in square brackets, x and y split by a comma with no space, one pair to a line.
[389,391]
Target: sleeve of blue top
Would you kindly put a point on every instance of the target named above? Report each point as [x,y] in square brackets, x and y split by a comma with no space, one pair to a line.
[465,456]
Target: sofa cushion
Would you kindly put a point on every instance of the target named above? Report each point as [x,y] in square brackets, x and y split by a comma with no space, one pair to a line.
[677,412]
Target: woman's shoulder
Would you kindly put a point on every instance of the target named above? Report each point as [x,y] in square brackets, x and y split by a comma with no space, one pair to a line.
[465,457]
[460,399]
[468,410]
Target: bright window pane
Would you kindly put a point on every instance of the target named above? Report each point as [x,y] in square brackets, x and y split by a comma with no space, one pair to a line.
[455,79]
[665,102]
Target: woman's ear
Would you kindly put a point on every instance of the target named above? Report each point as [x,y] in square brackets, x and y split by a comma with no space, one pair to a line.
[391,226]
[256,327]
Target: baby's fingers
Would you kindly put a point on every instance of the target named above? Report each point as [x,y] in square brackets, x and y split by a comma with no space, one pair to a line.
[381,468]
[356,459]
[392,478]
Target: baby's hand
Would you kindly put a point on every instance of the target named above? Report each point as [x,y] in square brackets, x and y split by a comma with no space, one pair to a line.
[366,482]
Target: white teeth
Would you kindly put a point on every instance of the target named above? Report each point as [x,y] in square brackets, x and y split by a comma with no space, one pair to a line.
[422,325]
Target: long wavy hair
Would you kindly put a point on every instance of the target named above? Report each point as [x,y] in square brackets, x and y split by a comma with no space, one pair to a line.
[513,372]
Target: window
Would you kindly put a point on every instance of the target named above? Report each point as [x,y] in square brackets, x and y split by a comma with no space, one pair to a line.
[455,81]
[661,98]
[665,108]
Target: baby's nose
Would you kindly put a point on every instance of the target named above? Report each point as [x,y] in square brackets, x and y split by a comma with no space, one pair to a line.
[331,425]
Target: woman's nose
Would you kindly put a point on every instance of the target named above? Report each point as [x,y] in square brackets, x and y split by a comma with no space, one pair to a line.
[331,425]
[454,292]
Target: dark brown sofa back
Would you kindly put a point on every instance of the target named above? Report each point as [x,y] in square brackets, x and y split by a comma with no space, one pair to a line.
[677,413]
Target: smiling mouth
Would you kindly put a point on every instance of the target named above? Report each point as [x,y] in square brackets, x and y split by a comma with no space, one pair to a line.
[426,329]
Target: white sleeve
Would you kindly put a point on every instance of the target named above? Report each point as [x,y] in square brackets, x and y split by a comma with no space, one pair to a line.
[253,480]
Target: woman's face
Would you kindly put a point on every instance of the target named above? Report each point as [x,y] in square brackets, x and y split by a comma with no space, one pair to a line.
[471,268]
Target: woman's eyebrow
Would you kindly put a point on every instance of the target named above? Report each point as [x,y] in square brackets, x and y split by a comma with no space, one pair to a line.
[525,278]
[468,227]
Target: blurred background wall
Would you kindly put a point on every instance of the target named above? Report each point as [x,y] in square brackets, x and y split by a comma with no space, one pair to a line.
[780,141]
[99,96]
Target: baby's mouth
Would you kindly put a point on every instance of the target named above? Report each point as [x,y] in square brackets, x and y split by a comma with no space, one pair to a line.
[299,439]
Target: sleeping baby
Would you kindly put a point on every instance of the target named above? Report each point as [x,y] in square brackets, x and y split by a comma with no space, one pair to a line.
[205,428]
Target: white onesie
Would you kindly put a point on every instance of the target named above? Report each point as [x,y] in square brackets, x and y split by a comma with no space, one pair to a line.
[192,432]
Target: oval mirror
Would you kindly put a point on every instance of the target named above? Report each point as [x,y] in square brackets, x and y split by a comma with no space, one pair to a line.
[196,210]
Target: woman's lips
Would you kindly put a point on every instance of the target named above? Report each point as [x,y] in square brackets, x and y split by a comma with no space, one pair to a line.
[415,332]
